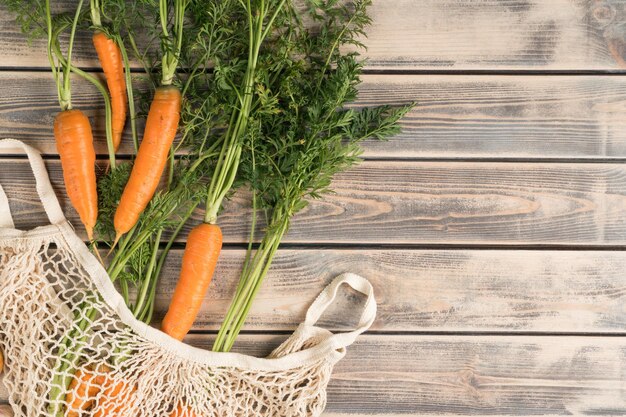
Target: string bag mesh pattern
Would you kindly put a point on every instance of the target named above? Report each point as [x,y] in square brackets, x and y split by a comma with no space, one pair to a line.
[56,301]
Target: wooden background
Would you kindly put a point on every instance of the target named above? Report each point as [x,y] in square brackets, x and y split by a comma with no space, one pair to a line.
[493,228]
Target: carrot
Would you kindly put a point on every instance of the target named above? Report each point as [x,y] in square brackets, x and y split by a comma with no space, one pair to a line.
[83,389]
[201,253]
[110,58]
[183,411]
[151,158]
[115,399]
[74,141]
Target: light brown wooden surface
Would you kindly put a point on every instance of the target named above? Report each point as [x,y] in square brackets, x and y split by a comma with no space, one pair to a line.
[501,155]
[462,375]
[555,117]
[395,202]
[443,34]
[431,290]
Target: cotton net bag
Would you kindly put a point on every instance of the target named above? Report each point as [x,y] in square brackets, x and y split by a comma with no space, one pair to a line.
[56,301]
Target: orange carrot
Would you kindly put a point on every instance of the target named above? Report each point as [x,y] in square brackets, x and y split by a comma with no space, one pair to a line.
[201,253]
[183,411]
[83,389]
[116,397]
[151,158]
[74,141]
[111,61]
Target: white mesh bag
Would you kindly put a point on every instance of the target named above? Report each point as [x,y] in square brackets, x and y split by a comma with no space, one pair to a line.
[56,301]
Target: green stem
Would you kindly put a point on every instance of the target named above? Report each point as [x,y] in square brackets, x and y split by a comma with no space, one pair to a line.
[66,93]
[232,310]
[141,57]
[228,163]
[248,257]
[146,313]
[138,241]
[125,292]
[250,281]
[163,13]
[270,23]
[200,61]
[170,173]
[334,48]
[95,13]
[239,302]
[145,285]
[121,247]
[251,296]
[53,65]
[67,359]
[171,47]
[275,239]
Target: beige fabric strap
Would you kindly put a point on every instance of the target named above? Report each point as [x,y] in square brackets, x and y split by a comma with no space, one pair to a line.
[328,296]
[6,220]
[44,188]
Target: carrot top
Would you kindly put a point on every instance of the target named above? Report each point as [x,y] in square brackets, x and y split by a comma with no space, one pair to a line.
[303,133]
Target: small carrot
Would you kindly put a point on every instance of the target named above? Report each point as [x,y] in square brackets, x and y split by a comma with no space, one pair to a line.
[83,389]
[159,134]
[115,399]
[199,260]
[74,141]
[110,58]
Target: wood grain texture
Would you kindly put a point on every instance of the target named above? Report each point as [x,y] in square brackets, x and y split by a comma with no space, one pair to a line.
[485,375]
[438,290]
[442,34]
[404,203]
[456,117]
[422,203]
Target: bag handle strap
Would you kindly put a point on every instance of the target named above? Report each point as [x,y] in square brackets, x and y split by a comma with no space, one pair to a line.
[328,296]
[6,219]
[44,187]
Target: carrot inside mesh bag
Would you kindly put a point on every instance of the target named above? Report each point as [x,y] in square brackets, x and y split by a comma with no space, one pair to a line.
[127,368]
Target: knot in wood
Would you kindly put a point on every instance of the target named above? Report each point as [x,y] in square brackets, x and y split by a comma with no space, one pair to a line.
[469,380]
[604,12]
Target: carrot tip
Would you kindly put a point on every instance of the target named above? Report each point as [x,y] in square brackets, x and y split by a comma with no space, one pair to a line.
[99,257]
[117,239]
[91,240]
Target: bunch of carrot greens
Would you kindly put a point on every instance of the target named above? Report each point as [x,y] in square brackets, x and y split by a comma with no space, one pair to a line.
[302,134]
[259,99]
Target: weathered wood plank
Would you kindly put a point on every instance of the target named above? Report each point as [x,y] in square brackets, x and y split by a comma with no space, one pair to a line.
[429,290]
[425,203]
[490,34]
[440,34]
[440,375]
[457,117]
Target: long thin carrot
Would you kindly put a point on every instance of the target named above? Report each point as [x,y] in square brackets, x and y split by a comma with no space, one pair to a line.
[159,134]
[74,141]
[199,260]
[110,58]
[83,389]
